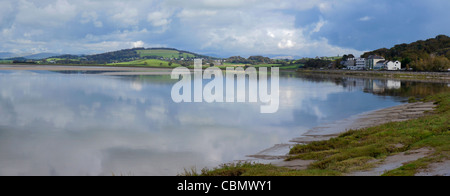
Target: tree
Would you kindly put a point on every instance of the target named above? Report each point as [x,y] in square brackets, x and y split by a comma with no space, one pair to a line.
[417,55]
[345,57]
[405,62]
[431,63]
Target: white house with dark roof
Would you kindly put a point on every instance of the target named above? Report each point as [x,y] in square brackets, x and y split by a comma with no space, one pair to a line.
[394,66]
[388,65]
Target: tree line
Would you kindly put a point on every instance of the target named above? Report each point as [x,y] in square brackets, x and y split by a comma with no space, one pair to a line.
[429,55]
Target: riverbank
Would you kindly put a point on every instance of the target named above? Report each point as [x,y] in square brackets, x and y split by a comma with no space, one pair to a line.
[418,146]
[148,70]
[400,75]
[79,68]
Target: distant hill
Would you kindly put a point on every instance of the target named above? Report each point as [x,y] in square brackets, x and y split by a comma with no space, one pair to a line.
[40,56]
[9,55]
[129,55]
[6,55]
[429,55]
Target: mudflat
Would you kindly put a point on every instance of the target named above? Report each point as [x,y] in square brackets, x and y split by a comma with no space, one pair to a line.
[393,114]
[277,154]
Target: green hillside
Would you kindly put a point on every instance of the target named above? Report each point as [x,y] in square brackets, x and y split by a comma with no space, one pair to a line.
[135,56]
[166,54]
[429,55]
[147,62]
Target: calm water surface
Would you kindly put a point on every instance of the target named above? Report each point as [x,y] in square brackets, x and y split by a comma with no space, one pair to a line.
[80,124]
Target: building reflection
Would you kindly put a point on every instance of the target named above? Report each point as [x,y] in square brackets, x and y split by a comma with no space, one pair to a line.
[382,87]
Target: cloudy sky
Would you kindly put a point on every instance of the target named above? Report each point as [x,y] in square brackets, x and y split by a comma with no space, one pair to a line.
[223,27]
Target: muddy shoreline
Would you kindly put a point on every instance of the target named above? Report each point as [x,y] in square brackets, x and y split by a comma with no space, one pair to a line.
[395,75]
[277,154]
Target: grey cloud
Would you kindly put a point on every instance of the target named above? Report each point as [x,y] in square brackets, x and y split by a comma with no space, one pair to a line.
[232,27]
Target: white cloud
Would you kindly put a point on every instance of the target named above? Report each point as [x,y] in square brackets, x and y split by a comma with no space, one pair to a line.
[188,14]
[5,10]
[53,14]
[223,27]
[286,44]
[138,44]
[319,26]
[365,18]
[87,17]
[160,19]
[127,17]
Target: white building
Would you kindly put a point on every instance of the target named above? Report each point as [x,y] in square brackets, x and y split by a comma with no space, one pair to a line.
[360,63]
[379,65]
[394,66]
[388,65]
[350,64]
[372,61]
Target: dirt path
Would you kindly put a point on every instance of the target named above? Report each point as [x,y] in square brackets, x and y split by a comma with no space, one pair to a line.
[436,169]
[394,162]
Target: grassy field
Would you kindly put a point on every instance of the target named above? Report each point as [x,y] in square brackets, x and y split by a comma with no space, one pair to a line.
[146,62]
[356,150]
[293,67]
[59,59]
[267,65]
[164,54]
[55,59]
[234,64]
[5,61]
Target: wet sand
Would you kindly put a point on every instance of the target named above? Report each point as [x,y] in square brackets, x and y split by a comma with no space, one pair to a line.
[394,114]
[278,153]
[393,162]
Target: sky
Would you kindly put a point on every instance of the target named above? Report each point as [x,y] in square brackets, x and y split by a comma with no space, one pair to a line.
[305,28]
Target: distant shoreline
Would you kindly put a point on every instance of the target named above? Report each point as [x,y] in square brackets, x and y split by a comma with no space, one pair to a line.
[78,67]
[399,75]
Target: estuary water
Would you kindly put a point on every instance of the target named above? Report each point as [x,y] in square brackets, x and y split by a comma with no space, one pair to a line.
[80,123]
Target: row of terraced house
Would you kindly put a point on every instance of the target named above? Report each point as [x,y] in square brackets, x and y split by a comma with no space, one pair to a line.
[373,62]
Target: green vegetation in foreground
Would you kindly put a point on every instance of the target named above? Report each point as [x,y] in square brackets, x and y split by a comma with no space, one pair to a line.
[359,149]
[249,169]
[147,62]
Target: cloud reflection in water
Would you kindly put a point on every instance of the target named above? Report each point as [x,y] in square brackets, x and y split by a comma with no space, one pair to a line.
[56,124]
